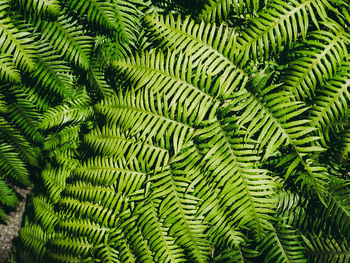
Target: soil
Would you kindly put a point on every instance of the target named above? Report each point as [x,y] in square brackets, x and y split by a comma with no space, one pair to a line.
[9,230]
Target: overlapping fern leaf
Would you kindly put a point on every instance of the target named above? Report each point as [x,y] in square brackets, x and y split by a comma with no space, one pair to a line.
[198,142]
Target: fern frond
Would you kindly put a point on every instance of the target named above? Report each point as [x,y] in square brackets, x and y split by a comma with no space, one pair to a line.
[325,249]
[272,113]
[11,166]
[65,136]
[211,47]
[67,37]
[44,213]
[13,137]
[331,101]
[84,227]
[320,58]
[52,73]
[276,27]
[97,79]
[7,196]
[283,244]
[127,177]
[8,71]
[178,208]
[24,115]
[241,254]
[77,246]
[338,206]
[345,152]
[111,142]
[146,116]
[50,8]
[74,111]
[17,43]
[219,145]
[164,246]
[34,240]
[172,76]
[220,10]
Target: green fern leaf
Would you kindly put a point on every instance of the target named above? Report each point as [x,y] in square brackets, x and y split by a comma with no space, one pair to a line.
[49,8]
[323,53]
[331,101]
[283,245]
[8,70]
[15,42]
[67,37]
[7,196]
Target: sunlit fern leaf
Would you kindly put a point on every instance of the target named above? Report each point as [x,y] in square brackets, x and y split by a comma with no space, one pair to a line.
[107,254]
[104,216]
[8,71]
[67,37]
[54,181]
[324,249]
[34,240]
[172,76]
[75,110]
[331,101]
[11,166]
[178,208]
[50,8]
[148,116]
[209,47]
[105,196]
[277,26]
[164,246]
[127,177]
[66,135]
[127,15]
[317,61]
[292,209]
[7,196]
[134,235]
[219,145]
[44,213]
[111,142]
[52,73]
[222,228]
[126,253]
[220,10]
[75,246]
[84,227]
[276,124]
[15,42]
[283,244]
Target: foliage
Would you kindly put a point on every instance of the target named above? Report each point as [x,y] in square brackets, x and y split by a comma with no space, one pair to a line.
[219,136]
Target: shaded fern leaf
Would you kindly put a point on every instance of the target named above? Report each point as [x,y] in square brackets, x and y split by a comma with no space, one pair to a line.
[326,249]
[221,10]
[50,8]
[283,244]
